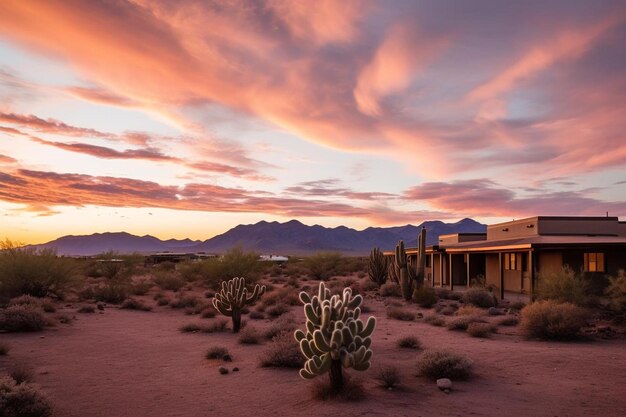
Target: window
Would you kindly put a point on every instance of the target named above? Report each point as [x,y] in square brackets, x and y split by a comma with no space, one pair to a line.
[594,262]
[512,261]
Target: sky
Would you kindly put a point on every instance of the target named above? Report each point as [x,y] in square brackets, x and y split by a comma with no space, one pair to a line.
[184,119]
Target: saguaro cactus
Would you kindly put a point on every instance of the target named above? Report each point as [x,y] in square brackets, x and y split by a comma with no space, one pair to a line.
[233,297]
[378,266]
[402,271]
[335,336]
[421,259]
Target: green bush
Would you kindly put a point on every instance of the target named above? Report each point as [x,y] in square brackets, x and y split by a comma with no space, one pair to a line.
[37,273]
[22,400]
[324,265]
[19,318]
[134,304]
[282,352]
[616,291]
[234,263]
[550,320]
[390,289]
[479,297]
[565,286]
[425,297]
[168,280]
[113,293]
[435,364]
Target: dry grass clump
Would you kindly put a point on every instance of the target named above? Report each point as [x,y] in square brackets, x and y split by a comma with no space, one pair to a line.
[33,302]
[388,376]
[257,315]
[21,373]
[141,288]
[368,285]
[462,322]
[446,294]
[425,297]
[282,352]
[390,289]
[134,304]
[399,313]
[409,342]
[470,310]
[287,296]
[480,329]
[277,310]
[208,312]
[168,281]
[249,336]
[216,352]
[435,364]
[192,328]
[479,298]
[184,301]
[113,293]
[22,400]
[550,320]
[87,309]
[4,348]
[517,305]
[435,320]
[353,390]
[509,320]
[218,326]
[285,323]
[19,318]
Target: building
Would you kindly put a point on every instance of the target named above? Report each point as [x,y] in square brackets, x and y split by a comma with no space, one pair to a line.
[512,256]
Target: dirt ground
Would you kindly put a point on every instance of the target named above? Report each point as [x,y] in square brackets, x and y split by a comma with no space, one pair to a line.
[129,363]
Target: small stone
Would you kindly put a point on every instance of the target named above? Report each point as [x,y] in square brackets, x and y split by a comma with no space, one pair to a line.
[100,306]
[444,384]
[227,358]
[420,315]
[235,369]
[223,370]
[494,311]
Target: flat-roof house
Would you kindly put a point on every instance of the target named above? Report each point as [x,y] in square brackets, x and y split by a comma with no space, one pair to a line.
[513,255]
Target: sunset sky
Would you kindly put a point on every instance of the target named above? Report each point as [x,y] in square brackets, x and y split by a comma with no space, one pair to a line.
[185,118]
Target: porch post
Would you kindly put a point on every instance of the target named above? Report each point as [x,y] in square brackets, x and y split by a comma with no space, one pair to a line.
[467,264]
[441,269]
[500,269]
[531,271]
[432,269]
[450,273]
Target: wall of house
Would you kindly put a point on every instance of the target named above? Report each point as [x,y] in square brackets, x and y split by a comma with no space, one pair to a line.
[492,269]
[549,261]
[621,229]
[508,230]
[593,226]
[513,280]
[435,270]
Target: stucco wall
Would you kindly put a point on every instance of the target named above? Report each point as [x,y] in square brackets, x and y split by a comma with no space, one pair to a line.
[492,267]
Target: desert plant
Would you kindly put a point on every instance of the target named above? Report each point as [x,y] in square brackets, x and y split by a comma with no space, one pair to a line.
[233,297]
[390,289]
[420,266]
[168,280]
[282,352]
[388,376]
[285,323]
[479,297]
[22,400]
[184,301]
[435,364]
[478,281]
[565,286]
[509,320]
[335,336]
[141,288]
[470,310]
[20,318]
[377,267]
[616,291]
[249,336]
[401,267]
[409,342]
[425,297]
[216,352]
[257,315]
[324,265]
[134,304]
[552,320]
[114,292]
[87,309]
[400,313]
[462,322]
[277,310]
[21,373]
[476,329]
[446,294]
[435,320]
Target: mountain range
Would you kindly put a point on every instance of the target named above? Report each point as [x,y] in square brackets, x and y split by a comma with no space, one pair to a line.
[290,238]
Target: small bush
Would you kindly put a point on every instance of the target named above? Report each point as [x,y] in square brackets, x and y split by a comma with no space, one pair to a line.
[192,328]
[208,313]
[249,336]
[141,288]
[400,313]
[163,301]
[517,305]
[87,309]
[21,373]
[353,390]
[435,364]
[277,310]
[480,329]
[390,289]
[285,323]
[22,400]
[509,320]
[4,348]
[184,302]
[216,352]
[64,319]
[409,342]
[550,320]
[616,291]
[19,318]
[446,294]
[257,315]
[462,322]
[564,286]
[134,304]
[324,265]
[113,293]
[168,280]
[470,310]
[26,301]
[287,296]
[479,297]
[425,297]
[219,326]
[388,376]
[435,320]
[282,352]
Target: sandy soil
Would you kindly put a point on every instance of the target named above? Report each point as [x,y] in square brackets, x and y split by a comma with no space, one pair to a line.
[127,363]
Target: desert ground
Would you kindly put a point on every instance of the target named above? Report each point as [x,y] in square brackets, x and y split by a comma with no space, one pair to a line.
[120,362]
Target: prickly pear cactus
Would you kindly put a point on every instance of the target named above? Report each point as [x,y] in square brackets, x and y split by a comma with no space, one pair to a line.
[377,268]
[335,336]
[233,297]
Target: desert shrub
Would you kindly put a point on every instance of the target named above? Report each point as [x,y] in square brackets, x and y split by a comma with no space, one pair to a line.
[446,294]
[87,309]
[234,263]
[479,298]
[134,304]
[388,376]
[163,301]
[470,310]
[21,373]
[283,295]
[191,328]
[38,273]
[114,292]
[168,280]
[390,289]
[293,282]
[64,319]
[285,323]
[19,318]
[25,300]
[368,285]
[4,348]
[551,320]
[400,313]
[509,320]
[447,309]
[409,342]
[190,270]
[218,326]
[435,320]
[616,291]
[167,266]
[425,297]
[184,301]
[435,364]
[462,322]
[282,352]
[22,400]
[324,265]
[141,288]
[517,305]
[249,336]
[216,352]
[208,312]
[478,281]
[480,329]
[257,315]
[564,286]
[353,390]
[277,310]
